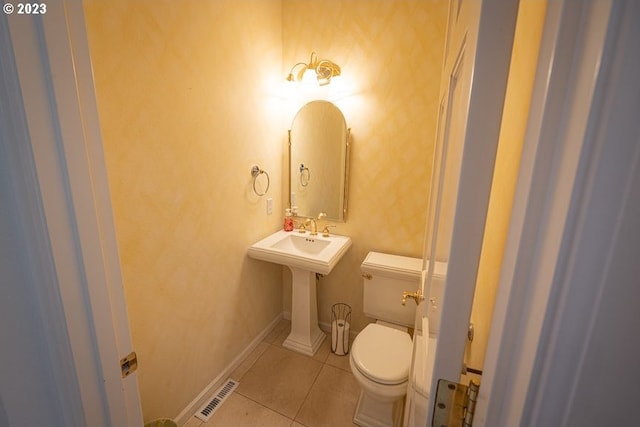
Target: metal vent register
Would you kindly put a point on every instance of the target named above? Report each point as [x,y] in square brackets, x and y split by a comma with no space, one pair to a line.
[221,395]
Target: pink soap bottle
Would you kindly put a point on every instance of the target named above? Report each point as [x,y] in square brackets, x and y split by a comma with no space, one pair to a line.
[288,220]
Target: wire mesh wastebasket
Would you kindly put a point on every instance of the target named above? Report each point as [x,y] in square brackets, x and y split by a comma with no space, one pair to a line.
[340,325]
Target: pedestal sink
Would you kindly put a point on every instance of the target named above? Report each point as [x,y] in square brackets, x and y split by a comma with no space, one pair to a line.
[305,255]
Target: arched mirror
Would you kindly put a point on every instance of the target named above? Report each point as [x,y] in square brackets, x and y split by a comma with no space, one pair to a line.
[319,161]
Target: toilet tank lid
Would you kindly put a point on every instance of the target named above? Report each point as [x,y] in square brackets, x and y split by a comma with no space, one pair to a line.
[440,269]
[387,264]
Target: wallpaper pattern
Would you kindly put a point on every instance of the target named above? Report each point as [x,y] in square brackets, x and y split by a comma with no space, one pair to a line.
[191,94]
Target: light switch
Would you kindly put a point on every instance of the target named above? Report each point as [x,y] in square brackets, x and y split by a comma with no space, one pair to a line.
[269,206]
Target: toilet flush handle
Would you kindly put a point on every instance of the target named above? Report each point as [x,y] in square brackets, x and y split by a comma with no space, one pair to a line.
[416,296]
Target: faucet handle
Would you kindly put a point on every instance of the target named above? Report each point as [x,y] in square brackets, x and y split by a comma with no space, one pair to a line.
[325,231]
[302,228]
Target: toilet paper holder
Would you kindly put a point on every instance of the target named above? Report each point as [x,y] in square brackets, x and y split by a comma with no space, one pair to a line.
[340,328]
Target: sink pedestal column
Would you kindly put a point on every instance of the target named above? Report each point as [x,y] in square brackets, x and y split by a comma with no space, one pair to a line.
[305,336]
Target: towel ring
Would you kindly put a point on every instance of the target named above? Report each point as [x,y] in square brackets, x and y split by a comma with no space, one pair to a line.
[304,181]
[255,173]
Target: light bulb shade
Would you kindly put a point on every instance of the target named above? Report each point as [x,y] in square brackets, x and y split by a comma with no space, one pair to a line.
[325,71]
[297,76]
[320,71]
[308,77]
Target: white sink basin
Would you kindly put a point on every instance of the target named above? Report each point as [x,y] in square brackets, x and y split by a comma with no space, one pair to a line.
[312,253]
[305,255]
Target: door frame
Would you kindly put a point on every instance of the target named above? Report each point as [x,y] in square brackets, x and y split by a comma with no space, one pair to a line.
[69,174]
[57,142]
[488,45]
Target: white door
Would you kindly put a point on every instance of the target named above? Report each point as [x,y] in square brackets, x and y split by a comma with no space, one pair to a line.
[473,83]
[81,298]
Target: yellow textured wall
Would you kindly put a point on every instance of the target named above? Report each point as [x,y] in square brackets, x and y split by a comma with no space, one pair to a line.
[391,54]
[524,59]
[185,115]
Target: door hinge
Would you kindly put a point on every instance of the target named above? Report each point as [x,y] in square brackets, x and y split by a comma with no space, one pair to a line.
[129,364]
[455,404]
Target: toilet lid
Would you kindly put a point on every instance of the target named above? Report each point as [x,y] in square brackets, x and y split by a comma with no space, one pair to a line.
[382,354]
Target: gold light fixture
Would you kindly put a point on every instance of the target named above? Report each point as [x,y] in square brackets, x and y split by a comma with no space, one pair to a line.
[323,68]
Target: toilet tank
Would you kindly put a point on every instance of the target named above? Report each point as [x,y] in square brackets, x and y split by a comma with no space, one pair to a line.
[385,277]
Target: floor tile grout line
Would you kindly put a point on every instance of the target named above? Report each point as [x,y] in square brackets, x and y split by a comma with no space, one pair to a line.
[250,366]
[323,363]
[255,401]
[308,392]
[265,406]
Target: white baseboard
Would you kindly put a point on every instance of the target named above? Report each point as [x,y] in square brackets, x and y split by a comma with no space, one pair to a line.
[205,394]
[324,326]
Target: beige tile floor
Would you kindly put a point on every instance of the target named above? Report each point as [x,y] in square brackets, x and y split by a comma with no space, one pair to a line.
[282,388]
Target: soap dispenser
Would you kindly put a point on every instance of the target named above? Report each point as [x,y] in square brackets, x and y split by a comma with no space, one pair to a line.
[288,220]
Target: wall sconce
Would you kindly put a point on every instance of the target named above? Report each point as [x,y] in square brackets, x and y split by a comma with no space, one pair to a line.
[323,68]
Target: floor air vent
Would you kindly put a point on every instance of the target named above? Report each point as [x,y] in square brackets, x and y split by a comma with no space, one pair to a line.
[210,407]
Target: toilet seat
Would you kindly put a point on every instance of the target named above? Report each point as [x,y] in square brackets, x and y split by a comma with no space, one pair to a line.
[382,354]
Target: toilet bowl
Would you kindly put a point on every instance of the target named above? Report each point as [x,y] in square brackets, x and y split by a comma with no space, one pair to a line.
[380,361]
[380,358]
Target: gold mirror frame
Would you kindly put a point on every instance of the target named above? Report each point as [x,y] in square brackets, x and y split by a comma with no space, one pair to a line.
[310,174]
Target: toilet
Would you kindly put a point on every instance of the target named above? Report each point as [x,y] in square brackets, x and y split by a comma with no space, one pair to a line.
[380,357]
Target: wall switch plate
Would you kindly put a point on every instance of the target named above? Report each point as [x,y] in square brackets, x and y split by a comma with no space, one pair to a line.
[269,206]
